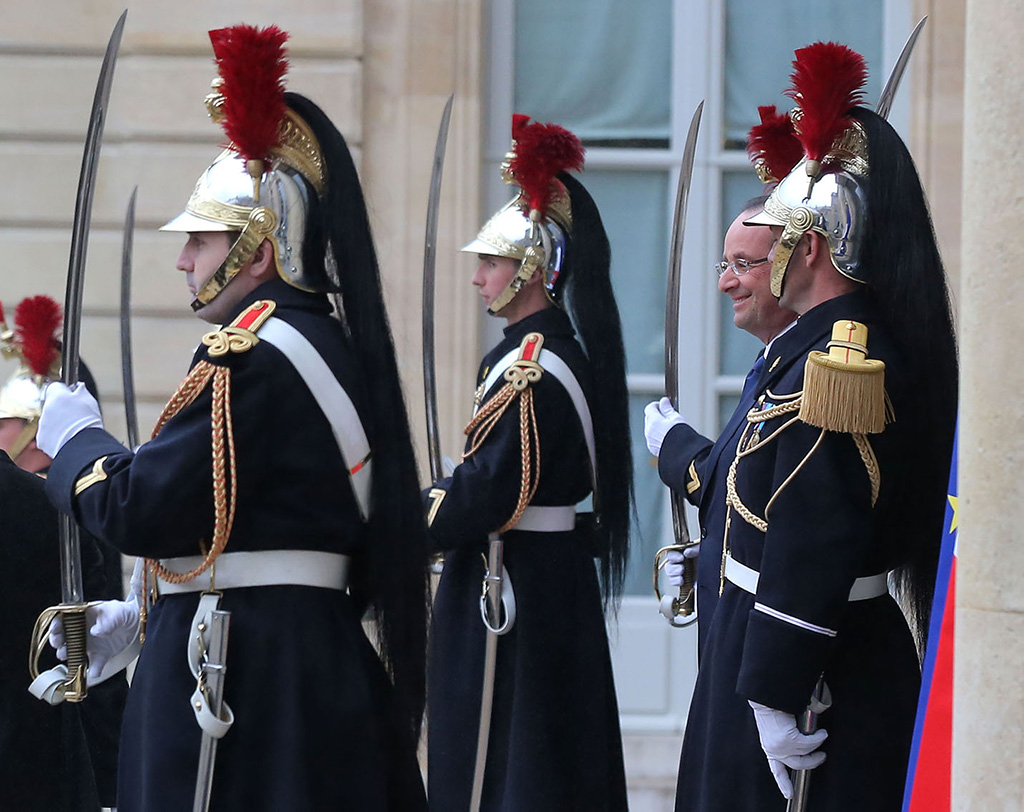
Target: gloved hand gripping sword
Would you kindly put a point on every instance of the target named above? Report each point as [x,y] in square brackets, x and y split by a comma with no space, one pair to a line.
[72,608]
[679,610]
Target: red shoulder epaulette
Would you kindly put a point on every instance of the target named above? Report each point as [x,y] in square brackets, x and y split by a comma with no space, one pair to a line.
[240,335]
[525,370]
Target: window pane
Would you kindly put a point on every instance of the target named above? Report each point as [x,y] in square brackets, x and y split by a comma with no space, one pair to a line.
[645,537]
[759,44]
[632,206]
[600,68]
[737,348]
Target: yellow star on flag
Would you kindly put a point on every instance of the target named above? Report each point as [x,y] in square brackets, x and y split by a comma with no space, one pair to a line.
[954,503]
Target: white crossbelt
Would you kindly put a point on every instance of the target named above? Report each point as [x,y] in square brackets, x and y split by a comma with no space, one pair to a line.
[870,586]
[333,401]
[545,519]
[262,568]
[550,362]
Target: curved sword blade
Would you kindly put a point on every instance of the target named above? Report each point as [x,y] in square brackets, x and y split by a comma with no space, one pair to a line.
[429,267]
[127,371]
[675,260]
[83,208]
[70,549]
[892,84]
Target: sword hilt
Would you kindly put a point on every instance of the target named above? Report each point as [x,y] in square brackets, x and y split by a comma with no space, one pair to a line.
[73,619]
[679,610]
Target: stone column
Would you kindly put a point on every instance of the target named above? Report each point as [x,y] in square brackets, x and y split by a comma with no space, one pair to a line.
[416,53]
[936,119]
[988,723]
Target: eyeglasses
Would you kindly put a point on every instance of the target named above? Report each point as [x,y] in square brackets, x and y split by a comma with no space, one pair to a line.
[738,266]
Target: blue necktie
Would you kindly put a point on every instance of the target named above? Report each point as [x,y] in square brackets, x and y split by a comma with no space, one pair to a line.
[750,382]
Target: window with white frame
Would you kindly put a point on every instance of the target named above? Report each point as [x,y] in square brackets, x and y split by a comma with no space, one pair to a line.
[626,75]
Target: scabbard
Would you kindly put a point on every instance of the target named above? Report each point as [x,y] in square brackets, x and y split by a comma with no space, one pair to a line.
[214,669]
[493,584]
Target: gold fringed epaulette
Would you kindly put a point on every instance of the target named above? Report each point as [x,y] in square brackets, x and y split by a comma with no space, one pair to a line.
[844,390]
[240,335]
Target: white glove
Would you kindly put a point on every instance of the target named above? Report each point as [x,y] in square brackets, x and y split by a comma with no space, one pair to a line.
[66,411]
[785,746]
[114,625]
[674,565]
[659,417]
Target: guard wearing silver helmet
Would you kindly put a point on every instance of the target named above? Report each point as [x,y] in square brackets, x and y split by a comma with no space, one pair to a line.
[57,758]
[280,485]
[549,428]
[837,482]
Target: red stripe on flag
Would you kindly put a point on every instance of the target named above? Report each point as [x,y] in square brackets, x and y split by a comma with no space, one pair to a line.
[931,789]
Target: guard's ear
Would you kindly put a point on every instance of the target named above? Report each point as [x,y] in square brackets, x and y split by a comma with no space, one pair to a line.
[814,248]
[262,263]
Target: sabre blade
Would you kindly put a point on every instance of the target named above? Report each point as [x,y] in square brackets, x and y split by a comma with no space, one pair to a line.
[892,84]
[429,270]
[70,550]
[127,370]
[679,528]
[675,260]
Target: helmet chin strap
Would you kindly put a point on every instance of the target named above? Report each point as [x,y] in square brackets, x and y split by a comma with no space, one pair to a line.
[261,225]
[800,221]
[533,260]
[26,436]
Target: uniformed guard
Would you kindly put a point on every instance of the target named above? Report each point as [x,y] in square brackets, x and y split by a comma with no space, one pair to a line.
[836,484]
[550,421]
[280,485]
[62,759]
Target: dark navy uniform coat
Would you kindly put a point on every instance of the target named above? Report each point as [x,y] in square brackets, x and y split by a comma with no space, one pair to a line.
[63,758]
[311,700]
[823,533]
[555,741]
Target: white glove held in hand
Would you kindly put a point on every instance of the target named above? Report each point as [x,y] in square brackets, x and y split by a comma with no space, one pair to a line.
[659,417]
[113,626]
[66,411]
[785,745]
[674,565]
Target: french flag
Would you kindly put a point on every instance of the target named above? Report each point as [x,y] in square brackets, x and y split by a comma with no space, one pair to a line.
[928,778]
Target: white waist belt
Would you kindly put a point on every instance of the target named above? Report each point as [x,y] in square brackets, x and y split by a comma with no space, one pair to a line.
[262,568]
[555,519]
[870,586]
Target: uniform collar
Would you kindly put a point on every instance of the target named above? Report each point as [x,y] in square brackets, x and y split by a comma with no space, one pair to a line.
[284,295]
[550,321]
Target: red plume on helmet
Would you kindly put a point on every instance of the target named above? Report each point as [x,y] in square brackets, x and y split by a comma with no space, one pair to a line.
[827,80]
[252,63]
[541,152]
[773,146]
[36,321]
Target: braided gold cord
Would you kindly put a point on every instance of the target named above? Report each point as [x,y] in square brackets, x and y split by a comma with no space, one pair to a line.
[754,416]
[867,453]
[733,500]
[531,475]
[487,417]
[222,438]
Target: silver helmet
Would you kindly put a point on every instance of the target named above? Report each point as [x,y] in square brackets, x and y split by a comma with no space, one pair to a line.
[264,199]
[34,344]
[826,191]
[532,228]
[832,203]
